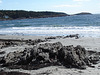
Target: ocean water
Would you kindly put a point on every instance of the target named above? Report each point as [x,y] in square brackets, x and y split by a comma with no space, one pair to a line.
[84,25]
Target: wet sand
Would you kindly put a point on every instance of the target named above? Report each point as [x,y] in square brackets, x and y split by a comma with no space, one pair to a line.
[90,43]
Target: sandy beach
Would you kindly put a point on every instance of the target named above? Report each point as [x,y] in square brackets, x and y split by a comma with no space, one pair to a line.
[54,37]
[89,43]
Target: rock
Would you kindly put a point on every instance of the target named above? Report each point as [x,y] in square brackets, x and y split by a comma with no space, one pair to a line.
[51,37]
[2,52]
[2,60]
[33,42]
[72,36]
[8,43]
[94,57]
[43,58]
[13,73]
[72,57]
[47,54]
[23,57]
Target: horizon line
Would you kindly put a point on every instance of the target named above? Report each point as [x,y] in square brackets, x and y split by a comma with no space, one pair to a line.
[49,11]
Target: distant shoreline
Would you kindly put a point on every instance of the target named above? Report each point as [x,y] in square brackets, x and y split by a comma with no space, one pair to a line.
[21,14]
[29,18]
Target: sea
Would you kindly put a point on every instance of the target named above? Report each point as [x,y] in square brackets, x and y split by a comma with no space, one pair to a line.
[84,25]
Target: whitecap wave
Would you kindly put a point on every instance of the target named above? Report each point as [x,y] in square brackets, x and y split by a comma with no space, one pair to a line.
[89,31]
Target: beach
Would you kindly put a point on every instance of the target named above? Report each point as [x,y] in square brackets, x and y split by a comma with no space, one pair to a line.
[90,43]
[68,45]
[55,37]
[18,44]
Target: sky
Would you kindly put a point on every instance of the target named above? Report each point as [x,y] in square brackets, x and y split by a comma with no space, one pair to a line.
[67,6]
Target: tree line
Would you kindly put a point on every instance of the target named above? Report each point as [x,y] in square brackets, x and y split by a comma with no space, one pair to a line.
[20,14]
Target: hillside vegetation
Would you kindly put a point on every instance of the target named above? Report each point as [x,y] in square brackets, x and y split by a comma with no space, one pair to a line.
[21,14]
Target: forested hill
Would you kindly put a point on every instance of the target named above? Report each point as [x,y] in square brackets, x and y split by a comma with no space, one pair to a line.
[83,13]
[21,14]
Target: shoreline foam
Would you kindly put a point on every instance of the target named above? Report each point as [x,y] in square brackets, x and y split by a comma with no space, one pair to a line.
[86,31]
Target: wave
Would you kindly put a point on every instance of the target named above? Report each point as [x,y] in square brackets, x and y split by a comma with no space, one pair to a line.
[72,27]
[90,31]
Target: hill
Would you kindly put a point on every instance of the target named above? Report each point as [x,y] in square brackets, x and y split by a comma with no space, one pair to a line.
[21,14]
[83,13]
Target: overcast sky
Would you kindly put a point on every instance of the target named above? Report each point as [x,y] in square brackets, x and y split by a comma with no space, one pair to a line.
[67,6]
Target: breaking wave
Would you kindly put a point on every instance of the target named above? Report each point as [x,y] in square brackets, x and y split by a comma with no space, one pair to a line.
[87,31]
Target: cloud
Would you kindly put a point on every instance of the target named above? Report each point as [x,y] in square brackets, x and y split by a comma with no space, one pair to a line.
[81,0]
[57,6]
